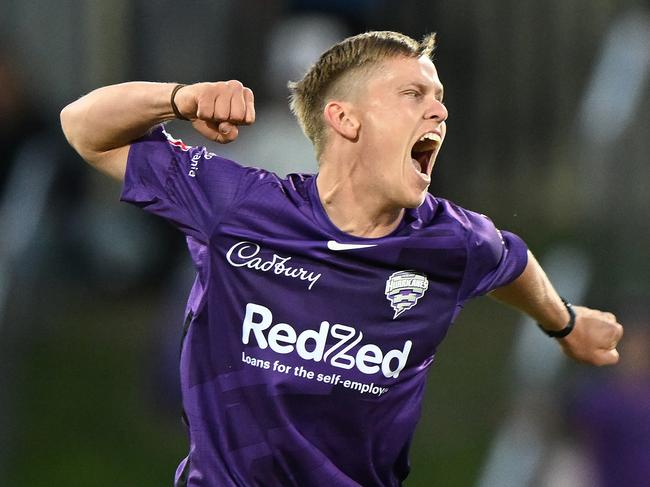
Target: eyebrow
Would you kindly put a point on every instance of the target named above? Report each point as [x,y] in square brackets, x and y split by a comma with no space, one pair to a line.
[440,91]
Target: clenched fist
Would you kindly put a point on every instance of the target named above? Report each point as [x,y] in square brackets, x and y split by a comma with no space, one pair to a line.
[594,338]
[216,109]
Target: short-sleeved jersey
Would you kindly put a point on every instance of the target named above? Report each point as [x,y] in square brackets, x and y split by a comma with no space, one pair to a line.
[306,348]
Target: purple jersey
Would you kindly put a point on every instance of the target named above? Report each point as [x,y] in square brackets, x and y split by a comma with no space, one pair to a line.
[306,349]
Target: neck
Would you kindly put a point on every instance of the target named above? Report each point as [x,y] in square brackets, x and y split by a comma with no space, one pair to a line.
[352,203]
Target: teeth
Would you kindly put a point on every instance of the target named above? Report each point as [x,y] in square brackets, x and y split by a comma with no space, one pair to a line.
[430,136]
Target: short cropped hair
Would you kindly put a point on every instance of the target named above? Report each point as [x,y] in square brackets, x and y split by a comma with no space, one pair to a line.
[309,96]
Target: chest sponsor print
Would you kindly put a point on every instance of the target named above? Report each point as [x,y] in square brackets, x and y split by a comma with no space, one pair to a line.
[250,255]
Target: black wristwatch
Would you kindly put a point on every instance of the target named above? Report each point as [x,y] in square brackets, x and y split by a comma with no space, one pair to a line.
[567,329]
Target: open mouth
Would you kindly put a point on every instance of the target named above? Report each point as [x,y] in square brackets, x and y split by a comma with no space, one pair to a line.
[422,151]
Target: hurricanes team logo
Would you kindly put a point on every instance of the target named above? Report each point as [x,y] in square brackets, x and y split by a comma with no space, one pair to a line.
[404,288]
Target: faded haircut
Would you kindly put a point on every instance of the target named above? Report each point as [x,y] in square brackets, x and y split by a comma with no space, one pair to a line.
[353,55]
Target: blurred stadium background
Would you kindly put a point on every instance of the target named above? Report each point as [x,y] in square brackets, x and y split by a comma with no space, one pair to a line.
[549,134]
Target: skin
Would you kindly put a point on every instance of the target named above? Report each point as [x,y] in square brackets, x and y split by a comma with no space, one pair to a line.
[367,177]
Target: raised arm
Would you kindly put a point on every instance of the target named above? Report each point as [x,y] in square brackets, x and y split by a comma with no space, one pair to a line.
[102,124]
[596,333]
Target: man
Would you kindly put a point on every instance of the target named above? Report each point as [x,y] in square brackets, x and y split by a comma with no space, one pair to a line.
[319,300]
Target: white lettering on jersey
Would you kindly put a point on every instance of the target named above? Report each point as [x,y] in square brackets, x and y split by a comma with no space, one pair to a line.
[245,254]
[312,344]
[196,158]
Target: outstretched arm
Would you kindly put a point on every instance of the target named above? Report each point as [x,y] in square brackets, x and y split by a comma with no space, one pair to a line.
[102,124]
[596,333]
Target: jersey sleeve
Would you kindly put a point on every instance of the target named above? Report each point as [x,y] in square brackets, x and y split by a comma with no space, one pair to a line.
[494,258]
[188,186]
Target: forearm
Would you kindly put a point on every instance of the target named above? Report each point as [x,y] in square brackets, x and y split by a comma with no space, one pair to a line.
[533,293]
[596,333]
[111,117]
[101,125]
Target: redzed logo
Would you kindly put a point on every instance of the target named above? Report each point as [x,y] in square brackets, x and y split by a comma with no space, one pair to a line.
[313,345]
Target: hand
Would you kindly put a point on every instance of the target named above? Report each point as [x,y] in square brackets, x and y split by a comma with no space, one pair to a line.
[594,337]
[216,109]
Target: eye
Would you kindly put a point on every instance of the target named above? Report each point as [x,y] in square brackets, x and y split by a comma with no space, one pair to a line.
[413,93]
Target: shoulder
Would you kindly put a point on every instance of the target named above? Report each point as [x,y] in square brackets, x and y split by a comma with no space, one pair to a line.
[297,184]
[440,218]
[266,190]
[441,212]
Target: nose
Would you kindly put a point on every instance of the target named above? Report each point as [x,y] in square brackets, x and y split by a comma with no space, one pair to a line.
[437,111]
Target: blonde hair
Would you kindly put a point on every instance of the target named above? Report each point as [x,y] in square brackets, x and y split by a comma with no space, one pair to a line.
[352,55]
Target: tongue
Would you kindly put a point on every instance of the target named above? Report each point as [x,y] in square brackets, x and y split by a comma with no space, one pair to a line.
[417,164]
[421,158]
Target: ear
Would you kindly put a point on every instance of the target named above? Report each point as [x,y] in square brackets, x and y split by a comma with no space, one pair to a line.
[341,118]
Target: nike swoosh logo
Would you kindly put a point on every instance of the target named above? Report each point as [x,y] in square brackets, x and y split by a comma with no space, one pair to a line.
[334,245]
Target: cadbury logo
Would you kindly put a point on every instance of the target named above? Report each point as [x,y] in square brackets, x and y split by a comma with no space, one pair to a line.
[248,254]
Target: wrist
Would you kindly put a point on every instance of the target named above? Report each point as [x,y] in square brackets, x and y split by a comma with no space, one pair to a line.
[172,102]
[570,322]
